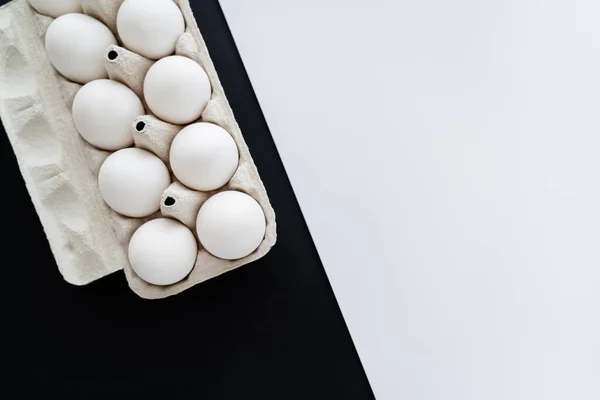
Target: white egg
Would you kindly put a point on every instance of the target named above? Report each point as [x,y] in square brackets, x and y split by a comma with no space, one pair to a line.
[177,89]
[132,181]
[203,156]
[103,112]
[56,8]
[231,225]
[150,27]
[163,251]
[76,44]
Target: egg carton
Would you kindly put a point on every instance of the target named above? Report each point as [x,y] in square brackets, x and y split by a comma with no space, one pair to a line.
[60,169]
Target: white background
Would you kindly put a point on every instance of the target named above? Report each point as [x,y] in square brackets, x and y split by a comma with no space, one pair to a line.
[446,155]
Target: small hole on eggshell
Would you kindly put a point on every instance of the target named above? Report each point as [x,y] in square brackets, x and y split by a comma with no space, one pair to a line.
[140,126]
[112,55]
[169,201]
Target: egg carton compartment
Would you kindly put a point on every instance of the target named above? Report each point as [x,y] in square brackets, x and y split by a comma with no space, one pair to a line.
[89,240]
[128,68]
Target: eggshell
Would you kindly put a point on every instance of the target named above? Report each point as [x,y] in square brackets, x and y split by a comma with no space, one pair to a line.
[76,44]
[203,156]
[132,181]
[150,27]
[103,112]
[162,251]
[231,225]
[56,8]
[177,89]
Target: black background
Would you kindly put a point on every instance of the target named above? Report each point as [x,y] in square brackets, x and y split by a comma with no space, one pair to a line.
[269,330]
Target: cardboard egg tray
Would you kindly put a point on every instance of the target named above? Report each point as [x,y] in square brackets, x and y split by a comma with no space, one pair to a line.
[60,169]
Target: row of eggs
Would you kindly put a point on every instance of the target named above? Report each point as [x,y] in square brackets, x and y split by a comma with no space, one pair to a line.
[230,225]
[203,156]
[147,27]
[176,88]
